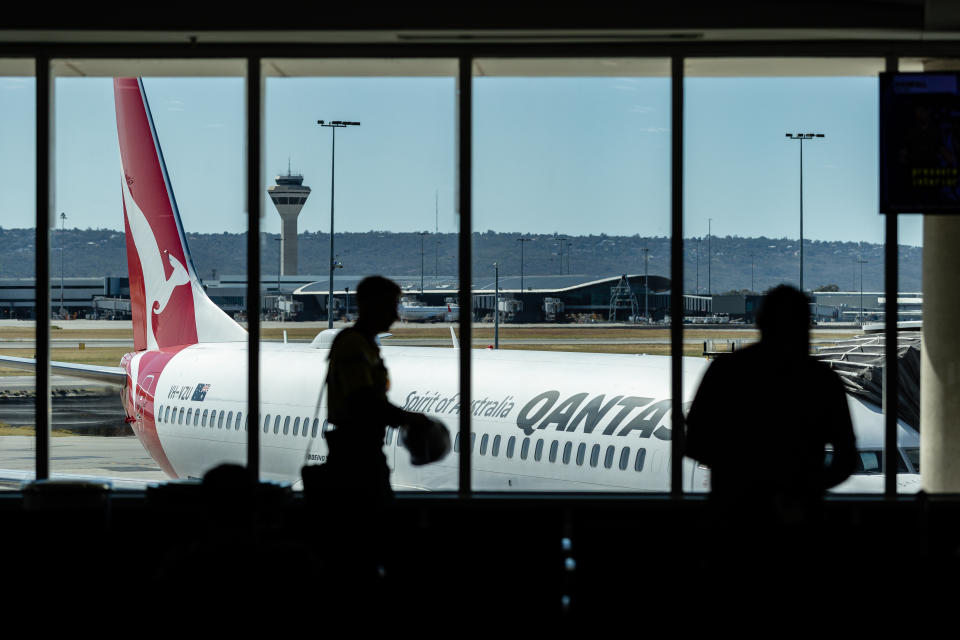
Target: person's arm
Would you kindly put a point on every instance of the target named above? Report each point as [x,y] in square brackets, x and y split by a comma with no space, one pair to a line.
[840,435]
[700,437]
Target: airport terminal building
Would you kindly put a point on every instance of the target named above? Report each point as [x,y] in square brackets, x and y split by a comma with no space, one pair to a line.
[538,516]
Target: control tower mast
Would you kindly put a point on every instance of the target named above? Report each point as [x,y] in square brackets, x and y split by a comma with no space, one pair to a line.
[289,195]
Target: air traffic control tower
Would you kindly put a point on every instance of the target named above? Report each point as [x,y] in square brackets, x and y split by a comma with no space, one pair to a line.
[289,195]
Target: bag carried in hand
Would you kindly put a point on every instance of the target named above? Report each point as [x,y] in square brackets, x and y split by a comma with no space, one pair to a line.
[426,443]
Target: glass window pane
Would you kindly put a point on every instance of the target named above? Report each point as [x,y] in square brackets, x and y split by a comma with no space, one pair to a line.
[18,205]
[571,252]
[176,214]
[786,192]
[624,458]
[495,451]
[392,124]
[567,448]
[483,444]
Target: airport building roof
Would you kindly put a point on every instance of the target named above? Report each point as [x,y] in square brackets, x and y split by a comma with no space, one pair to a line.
[508,284]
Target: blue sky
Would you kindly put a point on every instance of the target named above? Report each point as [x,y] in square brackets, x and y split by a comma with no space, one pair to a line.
[568,155]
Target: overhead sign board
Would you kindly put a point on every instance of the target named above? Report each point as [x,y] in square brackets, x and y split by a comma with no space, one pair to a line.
[920,143]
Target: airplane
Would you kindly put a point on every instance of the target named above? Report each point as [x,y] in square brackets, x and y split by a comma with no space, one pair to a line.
[541,421]
[410,311]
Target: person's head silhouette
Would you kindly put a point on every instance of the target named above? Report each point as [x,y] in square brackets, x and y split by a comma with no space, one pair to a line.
[784,320]
[377,300]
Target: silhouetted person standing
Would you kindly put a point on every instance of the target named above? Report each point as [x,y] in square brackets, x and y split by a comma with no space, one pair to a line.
[761,421]
[349,492]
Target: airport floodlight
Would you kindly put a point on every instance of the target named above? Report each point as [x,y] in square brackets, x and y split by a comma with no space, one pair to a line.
[333,126]
[522,241]
[801,137]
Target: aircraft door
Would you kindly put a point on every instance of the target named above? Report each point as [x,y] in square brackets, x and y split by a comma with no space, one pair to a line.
[700,478]
[390,446]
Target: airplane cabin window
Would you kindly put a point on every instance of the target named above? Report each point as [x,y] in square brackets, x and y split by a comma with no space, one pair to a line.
[296,426]
[624,458]
[608,458]
[511,444]
[203,419]
[473,441]
[236,426]
[525,448]
[220,421]
[316,421]
[246,422]
[266,424]
[166,415]
[286,425]
[567,449]
[594,455]
[196,417]
[229,419]
[641,454]
[581,453]
[276,425]
[456,444]
[189,416]
[538,450]
[483,444]
[553,450]
[180,417]
[495,451]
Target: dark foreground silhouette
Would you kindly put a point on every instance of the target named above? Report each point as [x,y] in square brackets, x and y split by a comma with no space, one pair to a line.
[762,421]
[348,494]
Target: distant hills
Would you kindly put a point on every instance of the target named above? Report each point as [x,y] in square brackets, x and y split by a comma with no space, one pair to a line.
[99,252]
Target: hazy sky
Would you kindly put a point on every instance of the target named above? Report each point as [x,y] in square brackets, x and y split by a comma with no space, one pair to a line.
[569,155]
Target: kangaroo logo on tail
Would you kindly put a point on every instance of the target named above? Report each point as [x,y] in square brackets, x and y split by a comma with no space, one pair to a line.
[168,304]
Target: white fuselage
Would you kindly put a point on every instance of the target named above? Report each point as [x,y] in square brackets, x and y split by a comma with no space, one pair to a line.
[540,420]
[613,394]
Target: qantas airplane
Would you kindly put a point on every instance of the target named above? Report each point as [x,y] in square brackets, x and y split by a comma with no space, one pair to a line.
[540,420]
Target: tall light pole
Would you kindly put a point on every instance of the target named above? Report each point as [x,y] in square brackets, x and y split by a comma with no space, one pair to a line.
[333,125]
[569,251]
[709,256]
[421,234]
[496,305]
[522,241]
[436,237]
[861,262]
[646,283]
[560,240]
[698,265]
[801,137]
[63,220]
